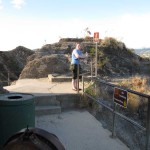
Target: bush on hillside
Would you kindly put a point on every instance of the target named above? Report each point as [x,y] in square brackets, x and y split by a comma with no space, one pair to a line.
[137,104]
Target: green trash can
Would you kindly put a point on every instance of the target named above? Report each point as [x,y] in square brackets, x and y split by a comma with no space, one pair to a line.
[17,111]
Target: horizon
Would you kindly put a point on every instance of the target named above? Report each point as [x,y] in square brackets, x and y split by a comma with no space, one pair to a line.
[33,24]
[148,48]
[136,49]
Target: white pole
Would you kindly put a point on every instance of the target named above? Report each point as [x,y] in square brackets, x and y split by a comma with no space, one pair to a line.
[96,60]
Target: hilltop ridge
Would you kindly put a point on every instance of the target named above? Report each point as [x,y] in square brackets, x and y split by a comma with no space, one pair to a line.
[114,59]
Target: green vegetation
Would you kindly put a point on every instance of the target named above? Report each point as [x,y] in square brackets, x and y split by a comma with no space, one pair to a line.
[112,43]
[92,52]
[91,90]
[103,61]
[137,104]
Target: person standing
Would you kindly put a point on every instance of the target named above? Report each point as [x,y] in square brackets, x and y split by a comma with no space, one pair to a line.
[76,56]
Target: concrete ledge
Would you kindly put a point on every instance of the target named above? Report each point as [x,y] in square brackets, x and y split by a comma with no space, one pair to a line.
[47,110]
[63,78]
[59,78]
[46,100]
[49,104]
[69,100]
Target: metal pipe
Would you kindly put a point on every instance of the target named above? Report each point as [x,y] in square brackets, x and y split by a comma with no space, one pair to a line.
[91,69]
[148,125]
[114,116]
[120,115]
[96,60]
[128,90]
[82,84]
[78,78]
[8,79]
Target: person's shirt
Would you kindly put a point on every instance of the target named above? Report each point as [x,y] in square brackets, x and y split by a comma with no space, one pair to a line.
[74,59]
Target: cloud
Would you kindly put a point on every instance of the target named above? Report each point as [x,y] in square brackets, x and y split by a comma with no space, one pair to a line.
[134,30]
[18,4]
[32,33]
[1,5]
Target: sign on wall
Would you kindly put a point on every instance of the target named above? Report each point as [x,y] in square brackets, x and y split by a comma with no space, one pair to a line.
[121,97]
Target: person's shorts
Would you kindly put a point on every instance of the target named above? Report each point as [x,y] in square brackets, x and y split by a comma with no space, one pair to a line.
[74,69]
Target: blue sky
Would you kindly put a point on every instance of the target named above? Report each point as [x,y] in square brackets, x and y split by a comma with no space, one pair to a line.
[33,23]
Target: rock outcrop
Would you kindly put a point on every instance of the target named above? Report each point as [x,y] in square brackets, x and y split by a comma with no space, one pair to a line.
[50,64]
[117,60]
[12,62]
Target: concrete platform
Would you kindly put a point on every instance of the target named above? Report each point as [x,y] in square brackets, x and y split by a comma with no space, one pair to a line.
[76,129]
[40,86]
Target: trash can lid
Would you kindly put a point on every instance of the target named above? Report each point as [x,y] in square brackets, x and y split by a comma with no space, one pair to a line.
[16,99]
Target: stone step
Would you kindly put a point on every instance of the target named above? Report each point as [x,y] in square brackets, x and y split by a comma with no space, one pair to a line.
[59,78]
[46,100]
[47,110]
[63,100]
[63,78]
[69,100]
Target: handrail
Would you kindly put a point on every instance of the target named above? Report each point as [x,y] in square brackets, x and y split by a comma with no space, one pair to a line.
[131,91]
[113,110]
[119,114]
[7,77]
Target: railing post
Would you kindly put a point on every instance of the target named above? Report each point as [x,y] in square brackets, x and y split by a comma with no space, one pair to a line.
[148,125]
[91,69]
[95,86]
[83,84]
[8,80]
[78,78]
[114,116]
[96,61]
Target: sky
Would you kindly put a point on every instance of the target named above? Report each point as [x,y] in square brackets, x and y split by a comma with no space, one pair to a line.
[34,23]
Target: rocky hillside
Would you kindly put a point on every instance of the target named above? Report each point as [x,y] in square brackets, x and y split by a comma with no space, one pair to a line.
[117,60]
[114,59]
[12,62]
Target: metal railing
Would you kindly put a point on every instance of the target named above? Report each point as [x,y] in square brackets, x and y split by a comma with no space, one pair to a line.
[114,112]
[83,74]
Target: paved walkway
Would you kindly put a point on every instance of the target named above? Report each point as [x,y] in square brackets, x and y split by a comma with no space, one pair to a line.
[76,129]
[79,130]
